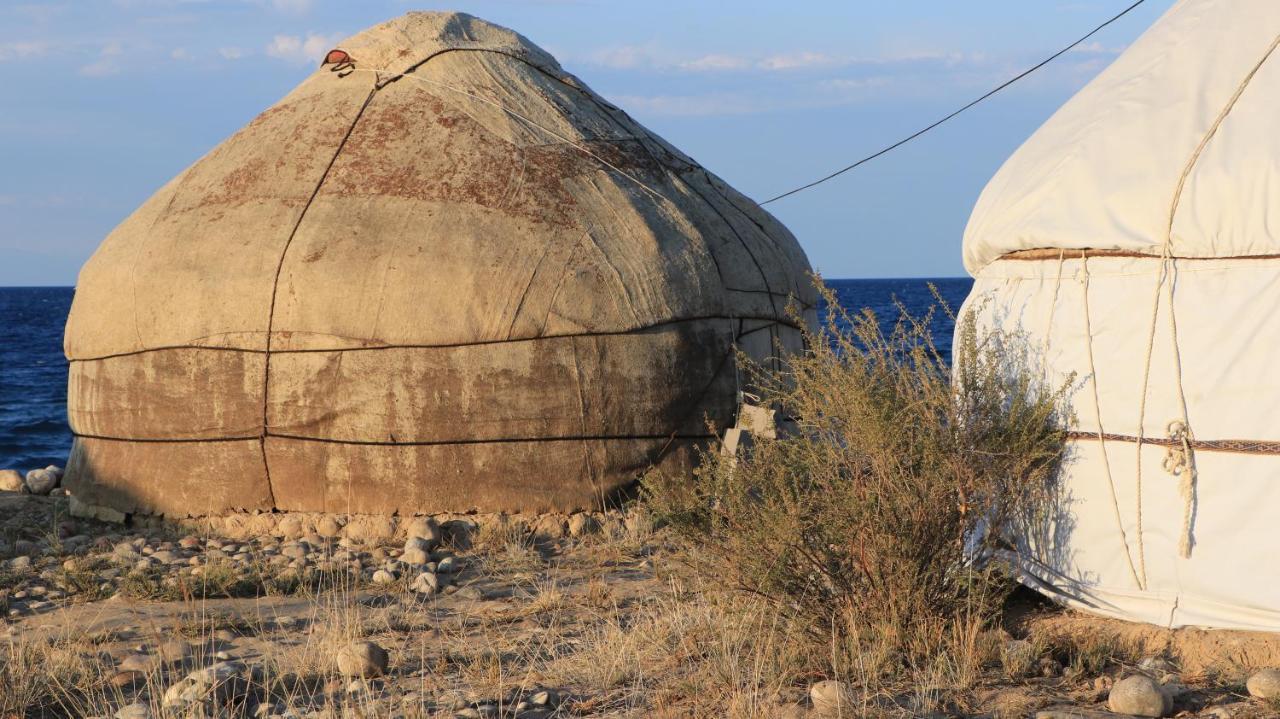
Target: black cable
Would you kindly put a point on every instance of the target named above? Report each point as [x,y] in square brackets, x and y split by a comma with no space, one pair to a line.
[1002,86]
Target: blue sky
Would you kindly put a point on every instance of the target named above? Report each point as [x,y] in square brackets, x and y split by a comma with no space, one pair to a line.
[104,100]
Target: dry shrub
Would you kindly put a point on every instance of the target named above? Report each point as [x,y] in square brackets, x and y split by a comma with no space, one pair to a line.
[869,522]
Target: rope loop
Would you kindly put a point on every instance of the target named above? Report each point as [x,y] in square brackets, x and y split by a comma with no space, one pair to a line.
[1177,458]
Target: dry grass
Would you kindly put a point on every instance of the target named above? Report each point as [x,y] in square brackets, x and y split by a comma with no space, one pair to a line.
[870,523]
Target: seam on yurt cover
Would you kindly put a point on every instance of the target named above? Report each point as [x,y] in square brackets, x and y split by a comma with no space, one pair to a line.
[415,443]
[741,241]
[582,416]
[275,285]
[697,401]
[608,113]
[495,440]
[513,113]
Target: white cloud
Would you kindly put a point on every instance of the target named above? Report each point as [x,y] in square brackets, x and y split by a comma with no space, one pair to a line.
[716,63]
[295,49]
[799,60]
[231,53]
[22,49]
[180,53]
[106,64]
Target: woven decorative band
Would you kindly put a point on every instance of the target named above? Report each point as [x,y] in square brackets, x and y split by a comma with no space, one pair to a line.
[1238,446]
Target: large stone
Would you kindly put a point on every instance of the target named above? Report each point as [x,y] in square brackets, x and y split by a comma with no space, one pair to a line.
[136,710]
[328,526]
[1139,695]
[11,480]
[831,698]
[416,551]
[41,481]
[582,524]
[549,526]
[216,683]
[364,660]
[425,529]
[1264,684]
[369,529]
[426,583]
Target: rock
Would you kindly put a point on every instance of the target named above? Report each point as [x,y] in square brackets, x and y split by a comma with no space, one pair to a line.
[426,583]
[362,659]
[830,698]
[139,663]
[1139,695]
[11,480]
[426,529]
[549,526]
[328,526]
[136,710]
[582,524]
[448,565]
[217,682]
[1225,711]
[459,533]
[382,576]
[56,470]
[41,481]
[20,564]
[369,529]
[1264,684]
[546,698]
[416,551]
[1173,687]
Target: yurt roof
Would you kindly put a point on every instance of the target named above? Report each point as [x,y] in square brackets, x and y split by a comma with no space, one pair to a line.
[1176,140]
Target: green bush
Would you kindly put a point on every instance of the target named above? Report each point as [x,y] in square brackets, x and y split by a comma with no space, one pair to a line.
[868,522]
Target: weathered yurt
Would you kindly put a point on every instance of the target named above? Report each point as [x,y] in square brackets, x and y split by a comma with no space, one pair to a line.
[1135,241]
[442,274]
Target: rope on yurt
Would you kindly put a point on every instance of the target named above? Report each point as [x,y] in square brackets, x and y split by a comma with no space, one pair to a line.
[522,118]
[1097,413]
[1179,458]
[1048,325]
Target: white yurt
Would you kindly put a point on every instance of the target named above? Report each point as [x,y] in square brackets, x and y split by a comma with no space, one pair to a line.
[1135,240]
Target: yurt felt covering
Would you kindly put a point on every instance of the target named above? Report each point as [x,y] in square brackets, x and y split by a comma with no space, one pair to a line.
[1134,241]
[444,276]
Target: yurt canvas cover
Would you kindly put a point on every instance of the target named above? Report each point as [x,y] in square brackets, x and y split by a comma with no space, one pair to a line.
[1135,240]
[441,274]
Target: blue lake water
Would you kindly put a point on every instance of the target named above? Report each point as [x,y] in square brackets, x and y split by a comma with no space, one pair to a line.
[33,372]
